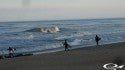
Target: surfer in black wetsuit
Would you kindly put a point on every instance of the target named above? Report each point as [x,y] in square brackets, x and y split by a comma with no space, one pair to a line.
[66,45]
[97,39]
[11,51]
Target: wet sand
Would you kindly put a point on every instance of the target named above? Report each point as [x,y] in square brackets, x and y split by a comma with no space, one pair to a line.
[88,58]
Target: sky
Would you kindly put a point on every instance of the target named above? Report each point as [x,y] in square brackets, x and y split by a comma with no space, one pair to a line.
[25,10]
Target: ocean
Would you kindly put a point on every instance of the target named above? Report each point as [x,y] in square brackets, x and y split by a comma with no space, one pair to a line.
[78,33]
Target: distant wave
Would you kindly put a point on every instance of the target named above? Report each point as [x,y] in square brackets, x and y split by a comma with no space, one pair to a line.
[45,29]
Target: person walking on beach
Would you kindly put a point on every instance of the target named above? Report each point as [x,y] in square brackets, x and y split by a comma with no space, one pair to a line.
[11,51]
[97,39]
[66,45]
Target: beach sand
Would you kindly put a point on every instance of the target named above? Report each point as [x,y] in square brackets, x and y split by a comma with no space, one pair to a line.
[88,58]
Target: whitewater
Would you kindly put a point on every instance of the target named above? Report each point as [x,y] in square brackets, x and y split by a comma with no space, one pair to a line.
[51,34]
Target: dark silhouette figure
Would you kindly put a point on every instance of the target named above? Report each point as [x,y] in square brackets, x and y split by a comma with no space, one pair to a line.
[66,45]
[11,51]
[97,39]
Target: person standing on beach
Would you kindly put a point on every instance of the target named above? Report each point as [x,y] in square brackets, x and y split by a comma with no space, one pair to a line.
[97,39]
[66,45]
[11,51]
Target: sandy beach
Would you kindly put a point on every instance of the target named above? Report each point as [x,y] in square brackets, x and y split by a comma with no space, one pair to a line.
[88,58]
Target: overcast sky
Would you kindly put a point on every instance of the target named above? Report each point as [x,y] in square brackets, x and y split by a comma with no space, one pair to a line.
[17,10]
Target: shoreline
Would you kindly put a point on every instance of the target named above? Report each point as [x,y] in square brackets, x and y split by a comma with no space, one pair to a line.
[86,58]
[55,50]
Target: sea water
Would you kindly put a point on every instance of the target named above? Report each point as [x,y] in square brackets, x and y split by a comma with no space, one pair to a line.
[79,33]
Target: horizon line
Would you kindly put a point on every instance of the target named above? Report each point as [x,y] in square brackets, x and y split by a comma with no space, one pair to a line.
[19,21]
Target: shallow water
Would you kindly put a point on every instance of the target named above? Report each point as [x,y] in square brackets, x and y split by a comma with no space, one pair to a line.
[79,33]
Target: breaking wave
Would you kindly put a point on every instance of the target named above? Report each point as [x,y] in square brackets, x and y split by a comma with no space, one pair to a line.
[45,29]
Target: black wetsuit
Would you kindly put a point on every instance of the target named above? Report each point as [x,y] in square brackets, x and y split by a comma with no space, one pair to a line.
[66,45]
[97,39]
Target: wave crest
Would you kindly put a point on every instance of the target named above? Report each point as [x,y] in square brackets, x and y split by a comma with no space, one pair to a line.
[46,29]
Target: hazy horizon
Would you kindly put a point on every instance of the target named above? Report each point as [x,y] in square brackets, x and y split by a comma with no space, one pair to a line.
[26,10]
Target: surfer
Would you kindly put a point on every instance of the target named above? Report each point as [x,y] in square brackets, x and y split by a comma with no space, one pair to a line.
[97,39]
[11,51]
[66,45]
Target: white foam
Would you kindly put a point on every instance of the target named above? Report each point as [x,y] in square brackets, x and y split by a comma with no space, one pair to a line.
[46,29]
[76,42]
[51,46]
